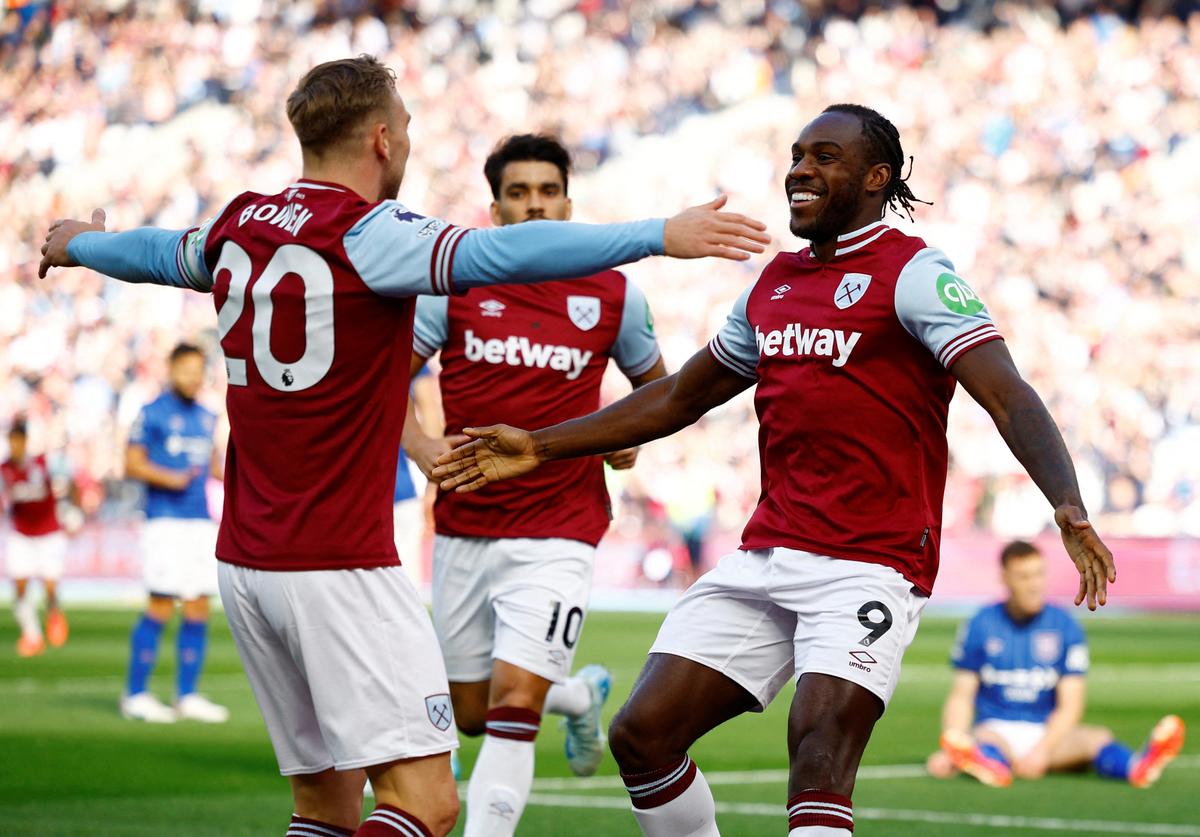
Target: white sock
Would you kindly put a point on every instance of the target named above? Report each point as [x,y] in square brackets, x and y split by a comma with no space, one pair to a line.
[819,831]
[689,809]
[25,609]
[499,787]
[571,697]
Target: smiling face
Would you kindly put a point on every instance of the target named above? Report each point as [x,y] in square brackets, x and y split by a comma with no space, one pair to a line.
[832,185]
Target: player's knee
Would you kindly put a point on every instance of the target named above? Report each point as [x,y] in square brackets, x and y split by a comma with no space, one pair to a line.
[821,758]
[638,744]
[469,726]
[445,814]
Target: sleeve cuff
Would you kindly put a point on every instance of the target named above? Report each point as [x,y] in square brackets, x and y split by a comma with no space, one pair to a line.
[955,348]
[727,359]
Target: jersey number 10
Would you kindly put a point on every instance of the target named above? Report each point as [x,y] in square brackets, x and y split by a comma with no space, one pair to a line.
[314,273]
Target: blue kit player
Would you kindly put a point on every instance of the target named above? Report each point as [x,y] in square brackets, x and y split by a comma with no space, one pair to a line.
[171,451]
[1017,700]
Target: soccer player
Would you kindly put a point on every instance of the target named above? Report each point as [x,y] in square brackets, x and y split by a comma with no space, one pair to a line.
[314,288]
[855,344]
[1016,703]
[171,451]
[37,547]
[512,564]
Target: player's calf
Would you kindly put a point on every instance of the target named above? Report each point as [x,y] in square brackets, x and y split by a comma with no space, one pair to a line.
[503,773]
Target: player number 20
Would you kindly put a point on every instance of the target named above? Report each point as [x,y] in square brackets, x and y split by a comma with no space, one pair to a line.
[314,273]
[572,625]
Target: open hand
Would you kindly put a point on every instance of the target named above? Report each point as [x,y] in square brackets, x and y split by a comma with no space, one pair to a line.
[706,231]
[54,251]
[1092,558]
[497,453]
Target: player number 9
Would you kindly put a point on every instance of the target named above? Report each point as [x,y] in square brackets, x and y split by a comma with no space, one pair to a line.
[878,628]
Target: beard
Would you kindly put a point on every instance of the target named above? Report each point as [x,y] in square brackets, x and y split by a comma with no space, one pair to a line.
[839,212]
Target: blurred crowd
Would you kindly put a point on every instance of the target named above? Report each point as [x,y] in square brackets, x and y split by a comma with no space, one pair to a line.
[1059,145]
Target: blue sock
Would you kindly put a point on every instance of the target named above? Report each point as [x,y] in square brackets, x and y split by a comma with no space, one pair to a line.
[1113,761]
[193,640]
[993,752]
[143,651]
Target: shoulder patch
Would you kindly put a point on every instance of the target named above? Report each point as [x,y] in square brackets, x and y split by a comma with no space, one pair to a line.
[957,295]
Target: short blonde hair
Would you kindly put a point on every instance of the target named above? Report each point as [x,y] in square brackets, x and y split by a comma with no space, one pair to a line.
[334,98]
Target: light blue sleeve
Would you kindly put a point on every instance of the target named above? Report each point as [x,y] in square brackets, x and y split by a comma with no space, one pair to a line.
[939,308]
[636,348]
[537,251]
[145,255]
[398,252]
[734,345]
[431,326]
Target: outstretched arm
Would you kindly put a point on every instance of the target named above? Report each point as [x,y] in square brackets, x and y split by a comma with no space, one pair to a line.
[988,374]
[540,250]
[145,255]
[655,410]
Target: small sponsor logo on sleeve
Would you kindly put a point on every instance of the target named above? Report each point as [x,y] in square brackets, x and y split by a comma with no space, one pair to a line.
[957,295]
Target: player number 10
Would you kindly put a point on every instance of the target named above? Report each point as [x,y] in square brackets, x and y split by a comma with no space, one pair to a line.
[314,273]
[572,625]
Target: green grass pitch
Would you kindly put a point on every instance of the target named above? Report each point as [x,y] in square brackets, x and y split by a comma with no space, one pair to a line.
[70,766]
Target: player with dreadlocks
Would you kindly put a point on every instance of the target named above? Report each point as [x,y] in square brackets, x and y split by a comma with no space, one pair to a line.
[855,345]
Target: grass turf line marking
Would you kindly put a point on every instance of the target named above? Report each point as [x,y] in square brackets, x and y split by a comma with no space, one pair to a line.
[760,809]
[729,777]
[774,777]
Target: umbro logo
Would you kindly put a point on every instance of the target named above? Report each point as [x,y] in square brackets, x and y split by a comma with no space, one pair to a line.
[862,660]
[781,290]
[492,308]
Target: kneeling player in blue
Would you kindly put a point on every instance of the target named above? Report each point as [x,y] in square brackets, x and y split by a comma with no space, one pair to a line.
[1016,704]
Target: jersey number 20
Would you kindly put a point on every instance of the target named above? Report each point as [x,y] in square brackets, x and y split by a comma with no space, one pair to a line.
[314,273]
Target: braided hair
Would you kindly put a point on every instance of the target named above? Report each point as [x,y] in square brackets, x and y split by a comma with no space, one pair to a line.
[884,141]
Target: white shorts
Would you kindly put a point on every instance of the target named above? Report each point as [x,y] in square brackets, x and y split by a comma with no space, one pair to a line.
[1019,737]
[762,616]
[179,557]
[344,665]
[36,556]
[520,600]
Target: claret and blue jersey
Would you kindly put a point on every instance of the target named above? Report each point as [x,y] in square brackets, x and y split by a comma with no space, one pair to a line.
[177,434]
[1019,663]
[314,289]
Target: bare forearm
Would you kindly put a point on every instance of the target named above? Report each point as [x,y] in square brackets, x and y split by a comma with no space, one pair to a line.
[648,413]
[1058,724]
[658,409]
[958,714]
[1034,438]
[153,475]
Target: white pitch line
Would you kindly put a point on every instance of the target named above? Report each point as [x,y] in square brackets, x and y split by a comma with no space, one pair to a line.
[759,809]
[730,777]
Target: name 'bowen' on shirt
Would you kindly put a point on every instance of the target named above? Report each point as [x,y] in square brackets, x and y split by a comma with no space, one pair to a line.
[795,341]
[518,351]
